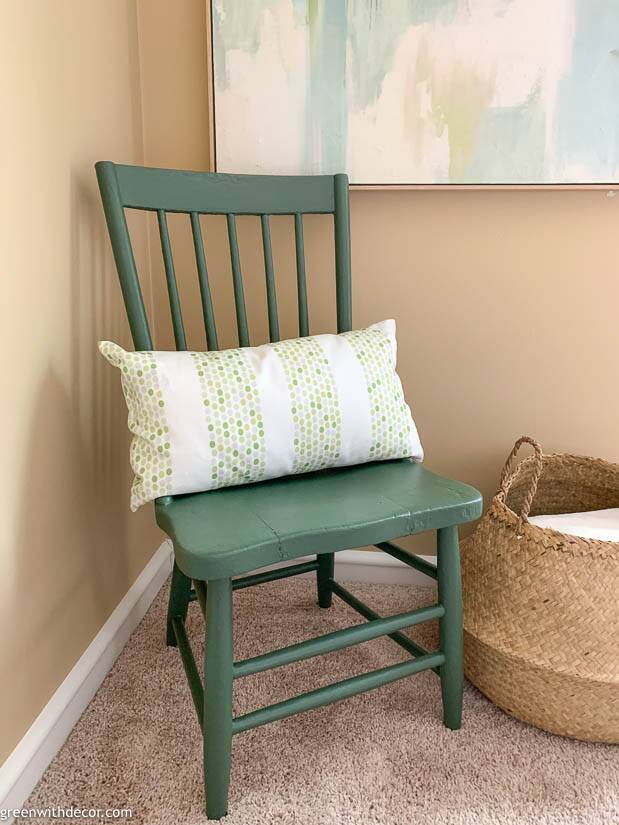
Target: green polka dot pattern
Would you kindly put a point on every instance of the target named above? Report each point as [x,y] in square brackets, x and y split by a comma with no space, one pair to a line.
[150,449]
[317,433]
[391,427]
[233,415]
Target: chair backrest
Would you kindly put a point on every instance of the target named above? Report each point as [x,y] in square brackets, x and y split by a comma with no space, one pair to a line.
[198,193]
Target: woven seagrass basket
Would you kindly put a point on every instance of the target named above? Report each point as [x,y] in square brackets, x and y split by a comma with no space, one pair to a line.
[541,608]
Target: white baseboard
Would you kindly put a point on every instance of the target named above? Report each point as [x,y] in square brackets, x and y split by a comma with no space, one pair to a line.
[25,766]
[367,567]
[376,568]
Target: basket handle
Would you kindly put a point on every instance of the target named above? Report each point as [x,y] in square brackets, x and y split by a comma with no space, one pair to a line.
[510,472]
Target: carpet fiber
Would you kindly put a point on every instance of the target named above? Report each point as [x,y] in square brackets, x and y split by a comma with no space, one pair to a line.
[382,758]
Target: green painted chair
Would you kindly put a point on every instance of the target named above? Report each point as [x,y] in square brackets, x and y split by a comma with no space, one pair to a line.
[219,537]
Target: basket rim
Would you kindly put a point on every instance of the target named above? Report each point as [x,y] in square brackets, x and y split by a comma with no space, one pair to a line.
[578,457]
[560,539]
[549,538]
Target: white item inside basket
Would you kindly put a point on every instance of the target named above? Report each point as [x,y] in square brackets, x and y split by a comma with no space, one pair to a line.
[596,524]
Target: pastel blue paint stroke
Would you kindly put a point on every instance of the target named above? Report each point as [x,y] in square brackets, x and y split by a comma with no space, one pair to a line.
[375,28]
[588,109]
[509,144]
[327,120]
[238,25]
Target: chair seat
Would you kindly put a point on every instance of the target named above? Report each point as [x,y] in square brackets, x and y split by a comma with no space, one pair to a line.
[237,529]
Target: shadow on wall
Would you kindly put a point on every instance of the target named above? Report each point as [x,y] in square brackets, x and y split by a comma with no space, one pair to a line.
[72,550]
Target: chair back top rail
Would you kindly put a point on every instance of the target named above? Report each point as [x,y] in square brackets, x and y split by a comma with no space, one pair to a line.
[175,190]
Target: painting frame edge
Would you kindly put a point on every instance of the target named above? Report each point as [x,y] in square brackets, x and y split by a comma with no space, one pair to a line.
[368,187]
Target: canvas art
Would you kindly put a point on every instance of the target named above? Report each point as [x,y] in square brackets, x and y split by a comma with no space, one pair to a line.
[418,91]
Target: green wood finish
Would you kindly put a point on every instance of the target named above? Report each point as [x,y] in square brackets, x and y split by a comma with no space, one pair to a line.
[425,567]
[336,692]
[326,566]
[175,304]
[191,671]
[141,187]
[301,278]
[352,601]
[275,575]
[180,594]
[218,696]
[270,278]
[342,254]
[337,640]
[234,530]
[450,626]
[113,207]
[205,289]
[237,281]
[200,588]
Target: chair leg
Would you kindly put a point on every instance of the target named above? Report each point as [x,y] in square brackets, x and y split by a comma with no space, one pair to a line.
[180,589]
[451,634]
[324,575]
[218,696]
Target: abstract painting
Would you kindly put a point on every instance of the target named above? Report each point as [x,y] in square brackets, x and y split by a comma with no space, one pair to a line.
[441,92]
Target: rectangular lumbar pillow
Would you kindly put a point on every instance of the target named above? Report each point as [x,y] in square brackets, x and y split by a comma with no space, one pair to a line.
[204,420]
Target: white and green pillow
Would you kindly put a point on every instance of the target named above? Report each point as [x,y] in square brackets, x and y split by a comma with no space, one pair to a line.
[204,420]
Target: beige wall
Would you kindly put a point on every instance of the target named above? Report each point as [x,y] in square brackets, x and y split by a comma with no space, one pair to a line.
[507,312]
[173,61]
[506,304]
[69,548]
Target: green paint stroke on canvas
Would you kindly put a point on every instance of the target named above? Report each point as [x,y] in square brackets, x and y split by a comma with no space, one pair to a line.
[461,104]
[458,102]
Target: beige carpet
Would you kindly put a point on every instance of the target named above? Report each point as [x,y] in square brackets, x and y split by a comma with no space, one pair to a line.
[382,758]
